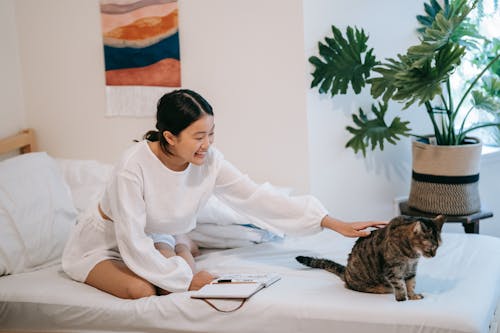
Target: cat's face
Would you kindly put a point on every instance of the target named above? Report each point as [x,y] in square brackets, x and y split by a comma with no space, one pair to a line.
[427,235]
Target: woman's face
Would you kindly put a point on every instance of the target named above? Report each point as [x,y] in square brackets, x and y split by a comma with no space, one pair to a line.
[191,145]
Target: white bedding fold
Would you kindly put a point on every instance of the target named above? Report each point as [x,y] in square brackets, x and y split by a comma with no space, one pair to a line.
[210,235]
[221,227]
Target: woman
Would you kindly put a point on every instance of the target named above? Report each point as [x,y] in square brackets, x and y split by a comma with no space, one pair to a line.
[132,243]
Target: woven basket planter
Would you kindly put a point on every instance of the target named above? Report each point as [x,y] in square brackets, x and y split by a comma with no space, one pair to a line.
[445,179]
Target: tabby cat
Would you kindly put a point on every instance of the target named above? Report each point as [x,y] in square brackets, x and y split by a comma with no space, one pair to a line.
[386,260]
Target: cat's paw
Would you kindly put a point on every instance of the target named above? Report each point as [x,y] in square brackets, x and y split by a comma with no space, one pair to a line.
[401,298]
[416,296]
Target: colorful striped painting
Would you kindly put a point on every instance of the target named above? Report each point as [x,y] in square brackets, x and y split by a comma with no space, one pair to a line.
[141,42]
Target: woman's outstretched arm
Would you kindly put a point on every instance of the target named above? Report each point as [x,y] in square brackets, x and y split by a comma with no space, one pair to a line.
[350,229]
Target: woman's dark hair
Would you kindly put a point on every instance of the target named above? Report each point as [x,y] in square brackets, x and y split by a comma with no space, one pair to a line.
[177,110]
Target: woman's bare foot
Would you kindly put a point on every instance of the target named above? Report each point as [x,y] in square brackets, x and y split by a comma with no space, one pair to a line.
[184,239]
[200,279]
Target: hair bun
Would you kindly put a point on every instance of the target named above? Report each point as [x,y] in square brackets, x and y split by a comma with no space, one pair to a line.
[152,136]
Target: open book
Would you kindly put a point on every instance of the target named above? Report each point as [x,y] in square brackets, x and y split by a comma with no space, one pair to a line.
[236,286]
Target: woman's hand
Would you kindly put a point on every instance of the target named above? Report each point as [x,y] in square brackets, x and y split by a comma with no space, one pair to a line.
[350,229]
[200,279]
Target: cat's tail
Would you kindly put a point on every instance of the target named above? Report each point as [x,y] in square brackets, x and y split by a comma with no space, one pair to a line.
[330,266]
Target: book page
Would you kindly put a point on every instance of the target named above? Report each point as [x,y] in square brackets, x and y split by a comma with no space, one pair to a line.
[228,290]
[266,278]
[236,285]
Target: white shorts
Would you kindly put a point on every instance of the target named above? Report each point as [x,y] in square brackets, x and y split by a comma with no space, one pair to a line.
[92,241]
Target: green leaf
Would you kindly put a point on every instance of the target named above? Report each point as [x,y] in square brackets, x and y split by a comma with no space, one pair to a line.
[431,10]
[374,132]
[485,102]
[491,85]
[405,81]
[342,62]
[449,25]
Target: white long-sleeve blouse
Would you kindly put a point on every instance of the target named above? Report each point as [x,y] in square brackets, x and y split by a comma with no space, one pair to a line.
[144,197]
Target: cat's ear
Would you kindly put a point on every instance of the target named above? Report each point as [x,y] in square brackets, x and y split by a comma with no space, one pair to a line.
[439,220]
[417,228]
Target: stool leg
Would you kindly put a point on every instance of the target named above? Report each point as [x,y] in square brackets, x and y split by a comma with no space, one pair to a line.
[471,228]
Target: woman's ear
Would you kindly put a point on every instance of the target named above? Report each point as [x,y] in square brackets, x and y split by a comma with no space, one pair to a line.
[171,139]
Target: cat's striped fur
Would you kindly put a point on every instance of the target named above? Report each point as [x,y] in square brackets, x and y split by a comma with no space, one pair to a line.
[386,261]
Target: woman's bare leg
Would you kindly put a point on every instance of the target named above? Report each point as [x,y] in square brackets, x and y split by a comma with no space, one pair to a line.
[167,251]
[187,249]
[184,239]
[180,250]
[183,251]
[114,277]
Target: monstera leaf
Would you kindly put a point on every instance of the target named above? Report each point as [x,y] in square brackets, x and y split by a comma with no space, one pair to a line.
[456,26]
[342,62]
[485,102]
[375,131]
[431,9]
[405,81]
[446,30]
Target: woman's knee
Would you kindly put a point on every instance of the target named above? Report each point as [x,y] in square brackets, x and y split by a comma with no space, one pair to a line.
[139,289]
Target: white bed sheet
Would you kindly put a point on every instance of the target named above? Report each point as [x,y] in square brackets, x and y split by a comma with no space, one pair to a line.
[461,286]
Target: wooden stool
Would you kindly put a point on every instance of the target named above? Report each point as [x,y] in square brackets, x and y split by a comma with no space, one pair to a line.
[469,222]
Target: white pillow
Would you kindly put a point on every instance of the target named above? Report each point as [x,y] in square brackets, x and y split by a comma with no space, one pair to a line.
[36,213]
[86,179]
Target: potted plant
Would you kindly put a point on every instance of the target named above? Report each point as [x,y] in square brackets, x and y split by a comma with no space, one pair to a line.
[446,163]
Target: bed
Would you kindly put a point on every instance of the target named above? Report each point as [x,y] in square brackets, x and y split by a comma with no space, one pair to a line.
[461,285]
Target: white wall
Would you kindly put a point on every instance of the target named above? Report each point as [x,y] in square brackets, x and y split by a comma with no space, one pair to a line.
[353,187]
[489,190]
[247,57]
[63,81]
[12,116]
[247,63]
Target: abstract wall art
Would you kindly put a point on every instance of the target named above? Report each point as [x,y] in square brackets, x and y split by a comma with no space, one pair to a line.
[141,53]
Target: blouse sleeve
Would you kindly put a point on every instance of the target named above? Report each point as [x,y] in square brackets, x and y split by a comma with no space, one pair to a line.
[127,209]
[266,206]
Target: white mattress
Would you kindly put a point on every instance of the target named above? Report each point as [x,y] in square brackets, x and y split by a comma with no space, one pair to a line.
[461,286]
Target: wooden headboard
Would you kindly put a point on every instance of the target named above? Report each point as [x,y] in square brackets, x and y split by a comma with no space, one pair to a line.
[24,141]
